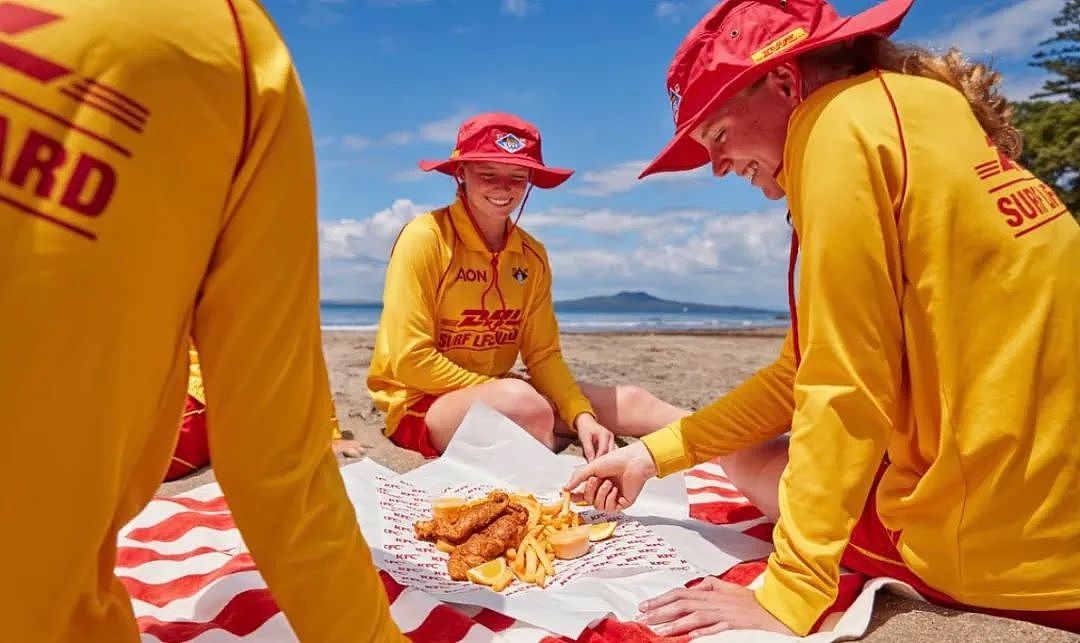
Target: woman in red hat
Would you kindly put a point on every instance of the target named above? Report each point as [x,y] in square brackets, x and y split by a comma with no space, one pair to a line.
[468,291]
[930,380]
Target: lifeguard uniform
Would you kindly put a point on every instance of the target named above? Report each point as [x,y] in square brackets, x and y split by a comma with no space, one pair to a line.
[157,185]
[934,377]
[457,313]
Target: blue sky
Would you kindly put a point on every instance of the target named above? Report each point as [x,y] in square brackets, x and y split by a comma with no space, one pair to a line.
[388,83]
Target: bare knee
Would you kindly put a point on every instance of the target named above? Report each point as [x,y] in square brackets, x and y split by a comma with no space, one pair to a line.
[633,397]
[520,402]
[756,471]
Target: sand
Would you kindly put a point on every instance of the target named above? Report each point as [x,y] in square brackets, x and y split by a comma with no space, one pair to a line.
[688,370]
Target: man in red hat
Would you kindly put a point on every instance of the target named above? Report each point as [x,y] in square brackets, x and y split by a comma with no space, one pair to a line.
[929,381]
[467,292]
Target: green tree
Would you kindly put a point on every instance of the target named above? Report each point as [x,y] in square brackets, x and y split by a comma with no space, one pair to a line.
[1052,128]
[1061,55]
[1052,145]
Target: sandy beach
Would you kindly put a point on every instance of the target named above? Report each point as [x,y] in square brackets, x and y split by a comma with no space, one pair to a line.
[688,370]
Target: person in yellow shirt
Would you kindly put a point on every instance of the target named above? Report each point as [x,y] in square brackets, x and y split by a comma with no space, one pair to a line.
[468,291]
[930,379]
[192,450]
[158,185]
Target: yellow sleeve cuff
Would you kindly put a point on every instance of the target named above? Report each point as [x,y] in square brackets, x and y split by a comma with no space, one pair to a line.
[781,597]
[668,450]
[575,408]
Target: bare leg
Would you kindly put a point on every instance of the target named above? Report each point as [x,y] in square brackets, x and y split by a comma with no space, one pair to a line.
[514,398]
[756,470]
[632,411]
[629,410]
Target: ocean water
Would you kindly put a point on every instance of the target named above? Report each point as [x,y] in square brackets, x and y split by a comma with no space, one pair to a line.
[366,317]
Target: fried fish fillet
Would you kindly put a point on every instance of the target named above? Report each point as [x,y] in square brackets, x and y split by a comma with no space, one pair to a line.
[489,543]
[458,527]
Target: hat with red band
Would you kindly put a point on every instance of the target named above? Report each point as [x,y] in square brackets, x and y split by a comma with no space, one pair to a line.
[737,43]
[500,138]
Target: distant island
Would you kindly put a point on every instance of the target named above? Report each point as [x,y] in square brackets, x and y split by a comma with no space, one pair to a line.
[643,302]
[623,302]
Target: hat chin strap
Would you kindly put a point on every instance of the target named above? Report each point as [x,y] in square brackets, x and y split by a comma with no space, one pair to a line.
[793,253]
[494,283]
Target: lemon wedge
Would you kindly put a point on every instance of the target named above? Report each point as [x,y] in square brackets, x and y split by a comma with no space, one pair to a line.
[601,531]
[488,573]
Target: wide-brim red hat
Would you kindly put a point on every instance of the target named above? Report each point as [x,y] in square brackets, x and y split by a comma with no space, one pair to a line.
[500,138]
[738,42]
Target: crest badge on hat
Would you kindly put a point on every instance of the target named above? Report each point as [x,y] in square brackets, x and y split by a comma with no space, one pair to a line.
[510,143]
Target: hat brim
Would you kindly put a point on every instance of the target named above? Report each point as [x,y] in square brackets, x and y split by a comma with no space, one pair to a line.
[542,176]
[684,153]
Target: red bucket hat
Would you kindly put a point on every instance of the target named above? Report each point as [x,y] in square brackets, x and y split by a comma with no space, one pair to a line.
[738,42]
[500,138]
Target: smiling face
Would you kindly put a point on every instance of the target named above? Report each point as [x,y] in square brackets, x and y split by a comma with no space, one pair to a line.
[746,134]
[494,189]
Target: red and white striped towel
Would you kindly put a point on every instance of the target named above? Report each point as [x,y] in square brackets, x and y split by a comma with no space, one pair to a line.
[190,577]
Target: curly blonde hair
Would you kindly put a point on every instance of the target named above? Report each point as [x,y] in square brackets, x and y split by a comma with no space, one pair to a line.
[977,82]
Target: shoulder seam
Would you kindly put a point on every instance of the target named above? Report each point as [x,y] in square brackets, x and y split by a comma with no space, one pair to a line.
[245,66]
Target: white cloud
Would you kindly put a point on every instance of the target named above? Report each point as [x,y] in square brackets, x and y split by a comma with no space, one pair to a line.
[1013,31]
[354,252]
[1018,88]
[607,222]
[675,12]
[398,138]
[736,259]
[443,130]
[515,7]
[623,178]
[690,255]
[355,142]
[409,176]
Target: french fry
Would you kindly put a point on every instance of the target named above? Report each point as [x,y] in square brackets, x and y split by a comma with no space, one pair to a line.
[530,563]
[541,580]
[511,554]
[575,519]
[545,560]
[552,509]
[444,546]
[565,503]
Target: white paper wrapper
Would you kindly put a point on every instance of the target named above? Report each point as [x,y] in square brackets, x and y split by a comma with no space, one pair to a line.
[489,451]
[632,550]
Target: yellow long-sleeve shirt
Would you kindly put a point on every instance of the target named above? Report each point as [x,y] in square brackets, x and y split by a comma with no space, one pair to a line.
[455,314]
[157,185]
[197,389]
[939,324]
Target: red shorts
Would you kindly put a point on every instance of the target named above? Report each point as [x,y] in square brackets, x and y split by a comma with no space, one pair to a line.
[412,432]
[872,551]
[192,450]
